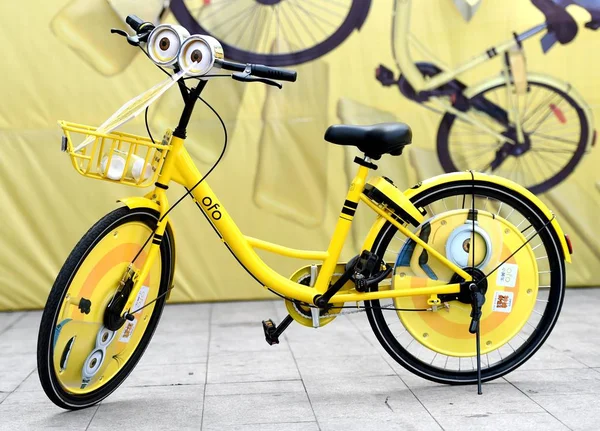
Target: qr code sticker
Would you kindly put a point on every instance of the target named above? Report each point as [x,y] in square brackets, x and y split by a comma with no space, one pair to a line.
[503,301]
[127,331]
[507,275]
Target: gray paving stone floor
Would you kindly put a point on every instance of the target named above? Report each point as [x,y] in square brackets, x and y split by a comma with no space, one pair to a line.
[208,367]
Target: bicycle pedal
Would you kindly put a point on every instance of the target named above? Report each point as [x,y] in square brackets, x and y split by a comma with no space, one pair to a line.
[270,330]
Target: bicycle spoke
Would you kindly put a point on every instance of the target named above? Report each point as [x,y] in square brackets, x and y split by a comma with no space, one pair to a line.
[285,35]
[284,14]
[243,29]
[555,138]
[267,33]
[314,18]
[478,143]
[546,159]
[399,239]
[259,24]
[533,168]
[572,128]
[547,114]
[293,8]
[551,150]
[320,6]
[538,108]
[434,356]
[335,3]
[218,11]
[526,102]
[238,17]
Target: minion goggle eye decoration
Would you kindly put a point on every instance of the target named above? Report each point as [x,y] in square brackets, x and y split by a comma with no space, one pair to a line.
[171,45]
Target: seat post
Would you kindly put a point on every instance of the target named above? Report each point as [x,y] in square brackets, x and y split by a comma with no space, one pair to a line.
[366,162]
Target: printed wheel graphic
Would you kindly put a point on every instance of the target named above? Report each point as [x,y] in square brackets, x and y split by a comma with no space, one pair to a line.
[437,345]
[556,136]
[273,32]
[80,360]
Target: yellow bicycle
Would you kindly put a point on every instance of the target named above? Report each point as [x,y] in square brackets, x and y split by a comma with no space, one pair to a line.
[462,276]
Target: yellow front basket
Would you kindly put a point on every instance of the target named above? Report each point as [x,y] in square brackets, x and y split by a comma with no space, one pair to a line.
[116,157]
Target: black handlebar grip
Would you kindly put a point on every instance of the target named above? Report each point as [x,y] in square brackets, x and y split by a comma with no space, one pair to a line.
[134,22]
[273,73]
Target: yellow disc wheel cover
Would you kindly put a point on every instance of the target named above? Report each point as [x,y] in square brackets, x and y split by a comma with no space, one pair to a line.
[87,355]
[510,297]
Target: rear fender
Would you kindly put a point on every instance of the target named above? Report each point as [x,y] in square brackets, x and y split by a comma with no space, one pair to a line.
[492,179]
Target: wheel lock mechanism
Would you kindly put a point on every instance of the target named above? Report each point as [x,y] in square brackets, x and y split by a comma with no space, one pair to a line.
[113,315]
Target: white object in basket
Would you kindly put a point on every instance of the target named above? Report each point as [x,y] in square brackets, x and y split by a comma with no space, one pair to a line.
[116,169]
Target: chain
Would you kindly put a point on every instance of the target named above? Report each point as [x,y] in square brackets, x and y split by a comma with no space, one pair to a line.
[341,313]
[359,310]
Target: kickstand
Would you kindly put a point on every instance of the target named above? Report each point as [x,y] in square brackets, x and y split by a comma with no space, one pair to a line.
[478,299]
[478,343]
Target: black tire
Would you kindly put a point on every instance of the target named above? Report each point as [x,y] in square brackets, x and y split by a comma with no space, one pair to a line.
[45,349]
[555,294]
[356,16]
[547,158]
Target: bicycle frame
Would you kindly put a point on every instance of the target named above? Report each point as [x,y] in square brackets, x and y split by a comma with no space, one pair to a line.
[178,167]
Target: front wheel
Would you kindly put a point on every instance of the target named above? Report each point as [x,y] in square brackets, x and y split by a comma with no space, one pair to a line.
[80,360]
[523,298]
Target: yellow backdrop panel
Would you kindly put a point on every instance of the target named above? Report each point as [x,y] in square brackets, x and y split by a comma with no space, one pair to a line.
[60,62]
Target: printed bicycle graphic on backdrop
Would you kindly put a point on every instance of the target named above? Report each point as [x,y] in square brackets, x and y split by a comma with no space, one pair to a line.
[529,127]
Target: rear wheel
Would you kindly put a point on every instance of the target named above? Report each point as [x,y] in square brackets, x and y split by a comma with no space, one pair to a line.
[80,360]
[519,314]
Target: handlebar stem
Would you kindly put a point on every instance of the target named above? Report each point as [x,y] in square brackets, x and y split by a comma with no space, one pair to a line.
[190,101]
[531,32]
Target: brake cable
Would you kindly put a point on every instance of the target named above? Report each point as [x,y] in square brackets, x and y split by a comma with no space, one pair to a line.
[188,191]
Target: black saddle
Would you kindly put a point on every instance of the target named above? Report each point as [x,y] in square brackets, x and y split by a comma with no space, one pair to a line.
[375,140]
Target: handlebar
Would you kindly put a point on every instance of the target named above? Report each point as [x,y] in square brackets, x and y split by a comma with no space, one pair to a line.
[259,70]
[134,22]
[143,29]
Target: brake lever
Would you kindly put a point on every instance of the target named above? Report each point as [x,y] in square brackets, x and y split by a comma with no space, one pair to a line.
[134,40]
[119,32]
[244,77]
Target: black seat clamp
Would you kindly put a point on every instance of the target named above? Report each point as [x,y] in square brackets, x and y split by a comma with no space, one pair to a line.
[364,163]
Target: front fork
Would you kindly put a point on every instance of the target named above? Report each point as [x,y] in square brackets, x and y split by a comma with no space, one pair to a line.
[138,275]
[159,197]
